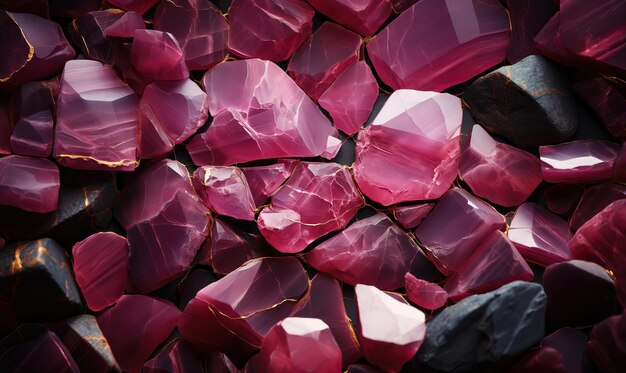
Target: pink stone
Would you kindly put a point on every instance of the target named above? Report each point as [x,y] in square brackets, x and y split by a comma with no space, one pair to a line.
[139,6]
[318,62]
[157,55]
[32,184]
[96,125]
[5,128]
[235,313]
[269,30]
[88,34]
[498,172]
[169,113]
[372,251]
[350,99]
[562,199]
[135,326]
[362,16]
[527,19]
[411,149]
[582,161]
[317,199]
[471,37]
[594,200]
[606,344]
[32,111]
[540,236]
[225,191]
[258,113]
[423,293]
[299,345]
[101,267]
[455,228]
[561,351]
[391,331]
[265,180]
[200,28]
[494,263]
[607,101]
[165,221]
[410,216]
[125,26]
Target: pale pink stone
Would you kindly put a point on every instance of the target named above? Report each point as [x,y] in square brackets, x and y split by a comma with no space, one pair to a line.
[317,199]
[362,16]
[157,55]
[423,293]
[258,113]
[594,200]
[125,26]
[225,191]
[583,161]
[31,184]
[350,99]
[411,216]
[265,180]
[411,149]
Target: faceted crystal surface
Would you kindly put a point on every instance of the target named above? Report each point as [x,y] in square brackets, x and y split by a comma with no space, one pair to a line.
[125,26]
[362,16]
[265,180]
[582,161]
[423,293]
[177,356]
[410,216]
[411,149]
[157,55]
[594,200]
[139,6]
[31,184]
[225,191]
[32,109]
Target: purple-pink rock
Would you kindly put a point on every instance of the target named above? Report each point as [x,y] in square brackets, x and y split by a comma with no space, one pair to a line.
[318,62]
[594,200]
[165,222]
[372,251]
[362,16]
[410,216]
[126,25]
[498,172]
[423,293]
[32,184]
[411,149]
[455,228]
[101,268]
[561,351]
[437,44]
[606,99]
[139,6]
[562,199]
[582,161]
[96,125]
[606,344]
[258,113]
[157,55]
[88,34]
[527,18]
[265,180]
[225,190]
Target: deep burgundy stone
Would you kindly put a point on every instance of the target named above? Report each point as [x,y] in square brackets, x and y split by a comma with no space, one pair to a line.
[225,190]
[594,200]
[410,216]
[31,184]
[180,357]
[606,344]
[364,16]
[582,161]
[139,6]
[527,18]
[423,293]
[194,281]
[265,180]
[125,26]
[88,34]
[157,55]
[562,199]
[606,98]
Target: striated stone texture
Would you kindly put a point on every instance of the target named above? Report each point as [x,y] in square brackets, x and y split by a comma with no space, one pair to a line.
[258,113]
[31,184]
[436,44]
[606,344]
[87,31]
[425,294]
[411,149]
[594,200]
[410,216]
[225,191]
[125,26]
[157,55]
[139,6]
[527,18]
[265,180]
[362,16]
[606,99]
[582,161]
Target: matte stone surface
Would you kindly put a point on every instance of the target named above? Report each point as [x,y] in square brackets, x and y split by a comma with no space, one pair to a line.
[527,18]
[606,344]
[32,109]
[362,16]
[225,190]
[31,184]
[88,34]
[125,26]
[265,180]
[594,200]
[606,99]
[582,161]
[410,216]
[157,55]
[425,294]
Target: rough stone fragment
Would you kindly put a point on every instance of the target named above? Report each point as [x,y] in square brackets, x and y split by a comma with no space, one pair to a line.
[497,325]
[372,251]
[88,34]
[265,180]
[225,191]
[123,63]
[471,36]
[31,184]
[32,110]
[606,344]
[157,55]
[410,216]
[411,149]
[594,200]
[606,98]
[562,199]
[423,293]
[363,16]
[177,356]
[582,161]
[125,26]
[527,18]
[330,50]
[139,6]
[258,113]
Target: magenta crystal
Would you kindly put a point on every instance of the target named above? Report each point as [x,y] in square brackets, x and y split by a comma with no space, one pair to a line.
[410,216]
[580,161]
[225,191]
[362,16]
[265,180]
[139,6]
[126,25]
[607,101]
[594,200]
[31,184]
[527,19]
[32,109]
[157,55]
[88,34]
[178,356]
[423,293]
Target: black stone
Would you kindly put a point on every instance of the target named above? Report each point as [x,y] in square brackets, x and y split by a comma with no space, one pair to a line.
[196,280]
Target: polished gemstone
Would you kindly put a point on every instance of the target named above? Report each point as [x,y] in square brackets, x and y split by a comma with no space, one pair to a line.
[157,55]
[31,184]
[362,16]
[606,344]
[32,109]
[423,293]
[225,190]
[561,351]
[582,161]
[265,180]
[125,26]
[594,200]
[410,216]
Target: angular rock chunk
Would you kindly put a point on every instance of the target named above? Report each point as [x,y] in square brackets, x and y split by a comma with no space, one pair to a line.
[606,98]
[423,293]
[583,161]
[88,34]
[410,216]
[364,17]
[527,18]
[225,190]
[606,344]
[139,6]
[265,180]
[594,200]
[562,199]
[157,55]
[125,26]
[31,184]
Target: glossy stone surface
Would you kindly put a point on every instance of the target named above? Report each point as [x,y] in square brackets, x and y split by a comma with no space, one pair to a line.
[177,356]
[299,345]
[498,172]
[402,158]
[225,191]
[169,113]
[410,216]
[125,26]
[265,180]
[582,161]
[391,331]
[562,199]
[606,99]
[527,18]
[362,16]
[101,266]
[157,55]
[32,109]
[317,199]
[200,28]
[87,32]
[318,62]
[31,184]
[165,223]
[594,200]
[472,36]
[93,101]
[371,251]
[269,30]
[350,99]
[254,105]
[455,228]
[139,6]
[135,326]
[605,346]
[540,236]
[423,293]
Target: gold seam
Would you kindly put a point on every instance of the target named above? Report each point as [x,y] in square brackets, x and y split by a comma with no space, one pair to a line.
[126,162]
[31,53]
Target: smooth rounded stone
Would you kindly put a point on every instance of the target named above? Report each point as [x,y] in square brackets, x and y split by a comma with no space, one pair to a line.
[299,345]
[601,240]
[540,236]
[590,301]
[606,99]
[31,184]
[350,98]
[157,55]
[498,172]
[371,251]
[330,50]
[139,6]
[225,190]
[235,313]
[562,199]
[87,32]
[410,216]
[606,344]
[165,222]
[527,18]
[194,281]
[411,149]
[38,49]
[436,44]
[258,113]
[494,326]
[325,302]
[582,161]
[318,198]
[36,280]
[594,200]
[200,28]
[135,326]
[5,128]
[33,348]
[512,102]
[455,228]
[425,294]
[391,331]
[362,16]
[125,26]
[269,30]
[101,266]
[265,180]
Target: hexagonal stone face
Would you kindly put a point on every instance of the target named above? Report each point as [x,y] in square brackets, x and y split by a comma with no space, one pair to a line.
[31,184]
